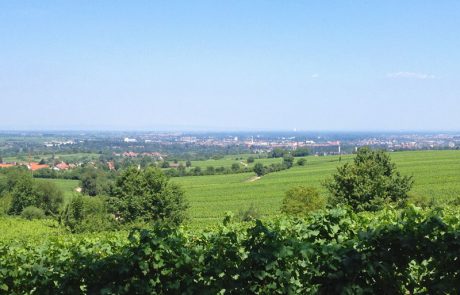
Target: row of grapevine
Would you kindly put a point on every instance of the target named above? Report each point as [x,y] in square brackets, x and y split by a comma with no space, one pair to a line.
[410,251]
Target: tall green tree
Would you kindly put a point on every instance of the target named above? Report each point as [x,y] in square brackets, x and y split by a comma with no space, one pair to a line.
[369,182]
[259,169]
[149,196]
[49,197]
[288,160]
[23,194]
[94,183]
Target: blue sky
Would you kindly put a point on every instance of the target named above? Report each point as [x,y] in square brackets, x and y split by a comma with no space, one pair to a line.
[230,65]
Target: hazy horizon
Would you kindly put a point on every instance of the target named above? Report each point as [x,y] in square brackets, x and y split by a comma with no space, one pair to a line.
[346,66]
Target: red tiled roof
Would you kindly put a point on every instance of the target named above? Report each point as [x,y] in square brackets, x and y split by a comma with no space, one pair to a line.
[62,166]
[35,166]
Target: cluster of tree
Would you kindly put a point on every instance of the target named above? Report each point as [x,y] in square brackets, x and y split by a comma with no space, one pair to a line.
[134,196]
[210,170]
[22,194]
[137,196]
[280,152]
[288,161]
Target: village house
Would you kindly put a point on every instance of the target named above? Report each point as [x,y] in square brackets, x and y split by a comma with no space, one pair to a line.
[130,154]
[36,166]
[62,166]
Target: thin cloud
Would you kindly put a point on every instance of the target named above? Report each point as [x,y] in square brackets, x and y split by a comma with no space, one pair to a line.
[411,75]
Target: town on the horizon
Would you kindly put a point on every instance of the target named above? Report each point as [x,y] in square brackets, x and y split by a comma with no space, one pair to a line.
[29,148]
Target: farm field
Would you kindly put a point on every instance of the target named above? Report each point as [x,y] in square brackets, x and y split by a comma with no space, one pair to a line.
[436,175]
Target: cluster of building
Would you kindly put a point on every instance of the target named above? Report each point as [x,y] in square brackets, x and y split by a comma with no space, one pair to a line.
[34,166]
[130,154]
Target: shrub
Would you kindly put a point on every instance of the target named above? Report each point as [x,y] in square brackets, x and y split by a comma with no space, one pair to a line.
[23,194]
[87,214]
[32,212]
[301,200]
[301,162]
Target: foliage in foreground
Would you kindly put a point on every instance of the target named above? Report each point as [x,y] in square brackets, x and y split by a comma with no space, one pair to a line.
[389,252]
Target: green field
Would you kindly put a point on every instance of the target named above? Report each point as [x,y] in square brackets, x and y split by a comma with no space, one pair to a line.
[436,174]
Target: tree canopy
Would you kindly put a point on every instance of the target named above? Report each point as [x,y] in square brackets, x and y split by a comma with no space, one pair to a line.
[369,182]
[147,195]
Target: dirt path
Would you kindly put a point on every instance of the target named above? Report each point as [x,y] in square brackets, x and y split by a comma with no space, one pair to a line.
[253,178]
[244,164]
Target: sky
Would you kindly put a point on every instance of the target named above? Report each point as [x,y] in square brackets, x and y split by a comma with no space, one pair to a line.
[230,65]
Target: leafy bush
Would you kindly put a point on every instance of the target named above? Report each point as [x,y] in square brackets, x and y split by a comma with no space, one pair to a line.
[410,251]
[301,162]
[87,214]
[32,212]
[301,200]
[369,182]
